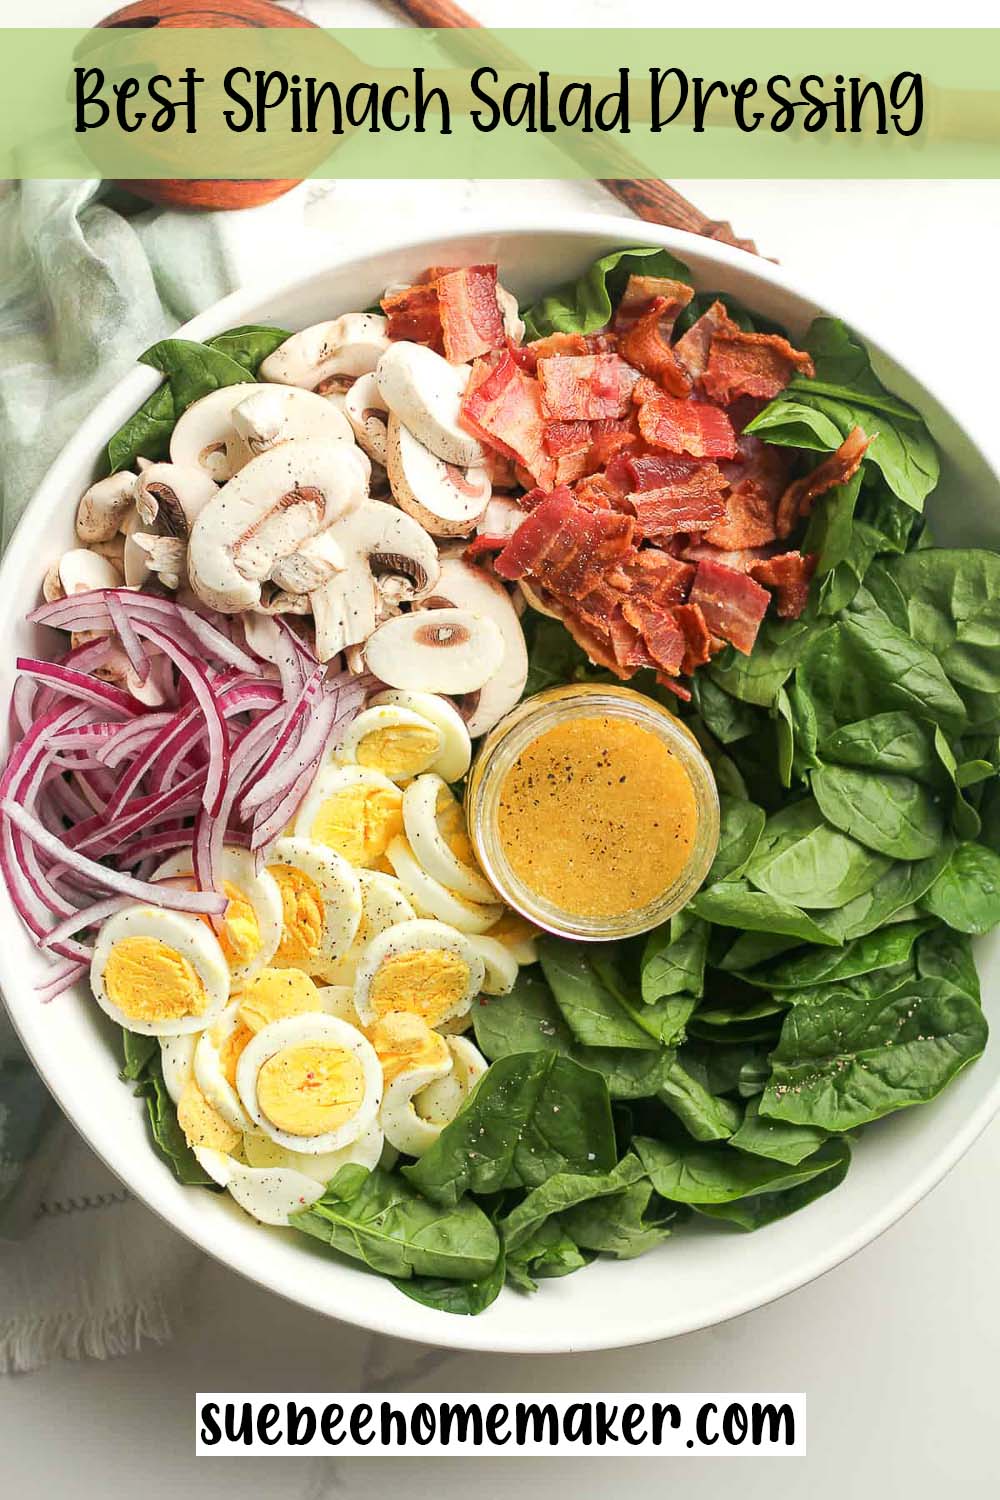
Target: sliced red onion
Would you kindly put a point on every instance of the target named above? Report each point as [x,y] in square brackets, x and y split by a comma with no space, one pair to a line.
[199,682]
[77,684]
[131,644]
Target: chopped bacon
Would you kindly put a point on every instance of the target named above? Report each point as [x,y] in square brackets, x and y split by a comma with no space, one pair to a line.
[646,347]
[504,409]
[599,492]
[414,314]
[691,427]
[756,483]
[471,322]
[640,291]
[664,639]
[549,347]
[692,347]
[566,437]
[654,577]
[611,436]
[657,471]
[740,562]
[732,603]
[750,364]
[587,387]
[484,545]
[697,637]
[789,575]
[569,548]
[693,503]
[838,468]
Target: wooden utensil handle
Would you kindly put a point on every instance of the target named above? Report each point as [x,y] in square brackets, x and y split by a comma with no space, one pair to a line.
[648,198]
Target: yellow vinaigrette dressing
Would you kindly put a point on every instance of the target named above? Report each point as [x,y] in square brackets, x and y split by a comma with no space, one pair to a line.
[593,811]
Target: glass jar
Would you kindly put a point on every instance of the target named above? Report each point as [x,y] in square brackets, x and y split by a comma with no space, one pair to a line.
[500,753]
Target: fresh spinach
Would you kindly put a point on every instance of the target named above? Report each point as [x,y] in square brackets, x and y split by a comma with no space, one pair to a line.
[894,815]
[700,1175]
[966,894]
[586,304]
[767,1207]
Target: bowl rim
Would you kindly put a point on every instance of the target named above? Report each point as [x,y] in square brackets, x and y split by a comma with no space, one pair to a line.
[456,1333]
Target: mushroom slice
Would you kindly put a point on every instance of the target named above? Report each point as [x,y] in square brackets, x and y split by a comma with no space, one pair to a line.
[444,498]
[306,570]
[273,505]
[513,323]
[104,506]
[387,558]
[436,651]
[367,412]
[319,356]
[204,436]
[174,495]
[81,570]
[501,517]
[425,392]
[462,585]
[166,556]
[269,415]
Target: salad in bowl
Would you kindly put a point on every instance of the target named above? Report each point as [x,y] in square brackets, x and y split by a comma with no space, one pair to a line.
[523,781]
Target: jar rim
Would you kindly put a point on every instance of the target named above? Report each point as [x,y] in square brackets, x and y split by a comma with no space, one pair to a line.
[508,739]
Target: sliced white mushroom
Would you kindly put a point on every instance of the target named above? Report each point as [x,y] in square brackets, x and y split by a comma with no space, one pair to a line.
[435,827]
[164,556]
[513,323]
[436,651]
[463,586]
[270,414]
[172,496]
[77,572]
[444,498]
[388,559]
[367,413]
[104,506]
[308,568]
[501,517]
[204,436]
[320,356]
[424,391]
[113,550]
[273,505]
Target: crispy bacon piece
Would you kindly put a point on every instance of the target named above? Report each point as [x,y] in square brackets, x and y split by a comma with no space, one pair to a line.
[503,407]
[789,575]
[528,355]
[566,437]
[609,437]
[567,547]
[646,346]
[693,503]
[691,349]
[483,546]
[691,427]
[740,562]
[599,492]
[750,364]
[586,387]
[414,314]
[838,468]
[653,577]
[732,603]
[697,637]
[757,482]
[640,291]
[471,322]
[657,471]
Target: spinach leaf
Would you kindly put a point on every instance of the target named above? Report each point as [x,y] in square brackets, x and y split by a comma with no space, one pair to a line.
[562,1191]
[903,884]
[778,1140]
[662,1020]
[944,954]
[882,949]
[893,815]
[698,1175]
[146,434]
[464,1298]
[549,1252]
[250,344]
[377,1217]
[705,1116]
[952,601]
[625,1225]
[138,1052]
[585,305]
[722,714]
[193,370]
[727,1067]
[741,824]
[767,1207]
[554,658]
[861,1050]
[168,1137]
[758,677]
[591,1012]
[673,961]
[897,742]
[801,858]
[531,1115]
[966,894]
[732,903]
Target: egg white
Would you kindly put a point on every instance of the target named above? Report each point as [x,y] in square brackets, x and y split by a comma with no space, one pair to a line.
[339,889]
[432,899]
[456,749]
[390,716]
[383,905]
[414,937]
[419,1103]
[332,781]
[501,965]
[184,934]
[258,888]
[210,1076]
[421,820]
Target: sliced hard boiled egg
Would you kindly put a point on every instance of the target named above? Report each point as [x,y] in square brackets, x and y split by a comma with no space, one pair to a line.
[364,1152]
[216,1055]
[160,973]
[501,965]
[268,1194]
[436,831]
[456,747]
[382,906]
[440,1101]
[202,1124]
[518,936]
[412,1056]
[354,811]
[393,740]
[177,1063]
[426,969]
[251,926]
[312,1083]
[275,994]
[321,902]
[432,899]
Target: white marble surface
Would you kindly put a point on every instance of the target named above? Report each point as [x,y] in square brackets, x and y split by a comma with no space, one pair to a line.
[897,1350]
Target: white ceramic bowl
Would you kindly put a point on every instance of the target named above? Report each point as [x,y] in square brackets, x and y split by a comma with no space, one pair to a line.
[692,1281]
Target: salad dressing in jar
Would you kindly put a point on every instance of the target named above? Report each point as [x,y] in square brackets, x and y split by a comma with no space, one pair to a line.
[593,811]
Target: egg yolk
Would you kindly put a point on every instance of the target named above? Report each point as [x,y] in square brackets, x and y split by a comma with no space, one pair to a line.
[429,983]
[451,823]
[311,1088]
[360,822]
[240,935]
[149,981]
[303,918]
[399,749]
[229,1045]
[275,994]
[202,1125]
[404,1042]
